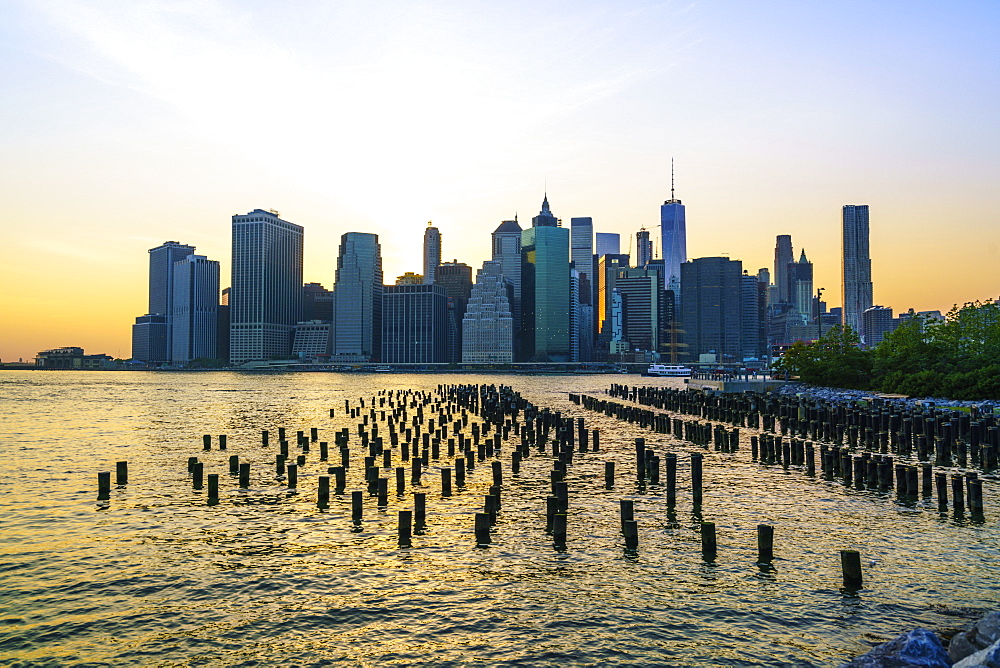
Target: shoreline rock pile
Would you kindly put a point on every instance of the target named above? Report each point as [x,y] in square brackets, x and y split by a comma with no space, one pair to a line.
[976,646]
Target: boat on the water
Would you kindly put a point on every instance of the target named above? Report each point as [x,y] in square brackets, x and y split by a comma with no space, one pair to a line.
[669,370]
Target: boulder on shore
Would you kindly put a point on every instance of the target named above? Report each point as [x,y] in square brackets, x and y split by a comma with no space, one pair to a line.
[918,647]
[981,635]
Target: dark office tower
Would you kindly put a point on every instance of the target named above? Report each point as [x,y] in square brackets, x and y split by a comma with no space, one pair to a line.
[877,321]
[643,248]
[151,337]
[545,290]
[608,267]
[456,279]
[432,252]
[712,308]
[196,309]
[673,233]
[582,255]
[414,318]
[222,327]
[507,253]
[857,267]
[545,217]
[800,286]
[764,277]
[641,301]
[266,297]
[357,299]
[754,318]
[317,303]
[782,258]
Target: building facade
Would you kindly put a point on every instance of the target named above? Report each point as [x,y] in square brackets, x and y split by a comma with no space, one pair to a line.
[507,252]
[414,322]
[488,325]
[783,257]
[195,326]
[265,300]
[148,333]
[456,279]
[673,236]
[857,266]
[357,299]
[582,256]
[432,253]
[545,290]
[712,308]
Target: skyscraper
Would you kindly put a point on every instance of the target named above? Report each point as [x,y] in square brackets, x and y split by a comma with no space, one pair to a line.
[266,296]
[507,252]
[487,329]
[545,290]
[800,282]
[414,318]
[196,309]
[582,255]
[643,248]
[608,243]
[640,292]
[357,299]
[673,233]
[712,305]
[432,252]
[857,266]
[608,268]
[456,279]
[151,336]
[783,256]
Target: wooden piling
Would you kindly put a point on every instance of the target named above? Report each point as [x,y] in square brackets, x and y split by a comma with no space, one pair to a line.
[244,476]
[121,473]
[609,474]
[483,530]
[445,482]
[292,473]
[696,477]
[197,475]
[708,542]
[103,485]
[357,506]
[323,493]
[765,543]
[213,486]
[630,528]
[419,511]
[850,564]
[405,530]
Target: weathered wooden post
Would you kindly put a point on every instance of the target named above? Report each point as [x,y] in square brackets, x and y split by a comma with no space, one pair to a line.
[357,506]
[708,542]
[850,563]
[696,459]
[121,473]
[483,530]
[765,543]
[405,528]
[244,476]
[213,486]
[103,485]
[323,494]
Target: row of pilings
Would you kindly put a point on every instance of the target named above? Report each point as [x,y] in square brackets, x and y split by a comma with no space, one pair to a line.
[859,462]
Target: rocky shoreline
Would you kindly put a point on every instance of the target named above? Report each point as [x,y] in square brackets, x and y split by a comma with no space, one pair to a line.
[975,646]
[838,394]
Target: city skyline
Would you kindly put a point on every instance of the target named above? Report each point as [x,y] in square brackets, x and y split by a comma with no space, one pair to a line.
[119,134]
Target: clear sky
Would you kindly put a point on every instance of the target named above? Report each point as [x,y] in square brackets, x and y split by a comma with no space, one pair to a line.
[127,124]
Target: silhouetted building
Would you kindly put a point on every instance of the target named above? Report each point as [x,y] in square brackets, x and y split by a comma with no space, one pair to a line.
[641,302]
[265,301]
[783,256]
[414,318]
[643,248]
[712,308]
[800,286]
[317,303]
[877,322]
[149,339]
[72,357]
[456,279]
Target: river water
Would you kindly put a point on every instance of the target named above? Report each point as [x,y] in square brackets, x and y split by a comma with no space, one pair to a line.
[156,576]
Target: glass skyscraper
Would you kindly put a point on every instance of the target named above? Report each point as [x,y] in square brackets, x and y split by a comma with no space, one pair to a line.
[151,334]
[857,266]
[582,255]
[507,252]
[357,299]
[414,323]
[266,296]
[545,290]
[196,309]
[712,308]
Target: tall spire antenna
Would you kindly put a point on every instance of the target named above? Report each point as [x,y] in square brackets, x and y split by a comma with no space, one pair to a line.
[672,178]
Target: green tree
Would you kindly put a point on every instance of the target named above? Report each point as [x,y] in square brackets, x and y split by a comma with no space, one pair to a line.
[835,360]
